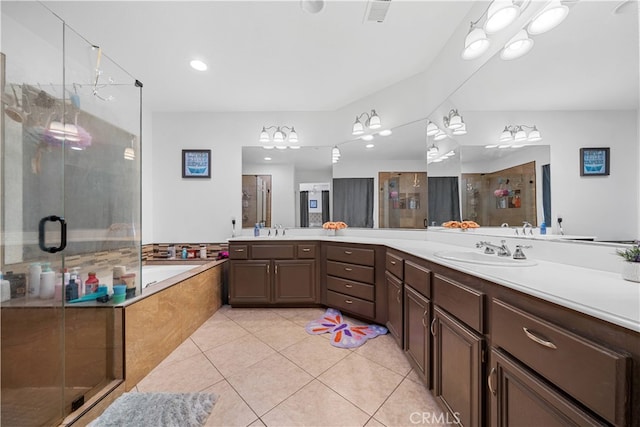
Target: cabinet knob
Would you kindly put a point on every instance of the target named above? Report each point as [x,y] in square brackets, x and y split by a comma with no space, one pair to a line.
[393,263]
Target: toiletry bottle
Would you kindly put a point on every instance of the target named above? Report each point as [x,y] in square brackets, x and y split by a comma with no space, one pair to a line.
[91,284]
[33,288]
[203,251]
[171,251]
[256,230]
[47,283]
[5,289]
[71,290]
[184,252]
[75,274]
[66,276]
[543,228]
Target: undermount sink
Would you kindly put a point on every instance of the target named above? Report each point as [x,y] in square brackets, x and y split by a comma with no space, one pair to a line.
[484,259]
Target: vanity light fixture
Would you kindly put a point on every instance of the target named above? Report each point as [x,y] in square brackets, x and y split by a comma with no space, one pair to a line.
[279,136]
[372,122]
[462,130]
[519,45]
[335,154]
[550,17]
[517,134]
[453,120]
[440,135]
[500,14]
[432,128]
[129,154]
[475,43]
[433,150]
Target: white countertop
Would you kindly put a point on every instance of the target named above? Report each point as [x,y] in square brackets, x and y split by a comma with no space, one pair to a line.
[598,293]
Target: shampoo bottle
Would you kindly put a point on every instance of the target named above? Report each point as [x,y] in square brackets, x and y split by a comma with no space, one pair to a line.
[47,283]
[33,288]
[256,230]
[543,228]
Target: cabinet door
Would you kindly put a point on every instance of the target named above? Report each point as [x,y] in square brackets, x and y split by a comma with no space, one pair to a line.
[249,282]
[295,282]
[520,398]
[457,376]
[417,340]
[394,307]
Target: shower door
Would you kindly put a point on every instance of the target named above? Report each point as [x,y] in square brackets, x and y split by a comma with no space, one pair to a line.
[70,183]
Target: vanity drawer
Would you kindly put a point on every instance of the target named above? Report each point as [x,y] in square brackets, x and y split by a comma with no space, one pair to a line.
[350,304]
[353,255]
[350,271]
[350,287]
[591,373]
[238,252]
[418,277]
[464,303]
[393,264]
[306,251]
[259,251]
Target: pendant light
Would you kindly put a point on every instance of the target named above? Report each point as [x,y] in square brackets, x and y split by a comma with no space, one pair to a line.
[552,15]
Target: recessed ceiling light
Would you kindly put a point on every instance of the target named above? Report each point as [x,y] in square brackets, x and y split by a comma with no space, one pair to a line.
[369,146]
[366,137]
[196,64]
[267,158]
[385,132]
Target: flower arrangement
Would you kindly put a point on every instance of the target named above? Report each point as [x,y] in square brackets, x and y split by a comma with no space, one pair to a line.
[460,224]
[330,225]
[631,254]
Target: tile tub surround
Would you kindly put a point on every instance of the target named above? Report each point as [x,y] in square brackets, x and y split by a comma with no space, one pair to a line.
[266,373]
[166,314]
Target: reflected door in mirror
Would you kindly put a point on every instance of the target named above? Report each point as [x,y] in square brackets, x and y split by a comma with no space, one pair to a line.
[256,200]
[403,199]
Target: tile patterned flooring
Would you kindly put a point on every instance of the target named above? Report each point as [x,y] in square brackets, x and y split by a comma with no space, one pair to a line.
[267,371]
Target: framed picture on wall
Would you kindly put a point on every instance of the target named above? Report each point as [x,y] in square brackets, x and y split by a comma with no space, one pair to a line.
[313,204]
[594,161]
[196,163]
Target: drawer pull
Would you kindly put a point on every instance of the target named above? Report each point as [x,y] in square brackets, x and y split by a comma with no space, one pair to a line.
[267,269]
[348,269]
[348,252]
[433,323]
[424,315]
[239,250]
[537,339]
[306,249]
[346,285]
[393,263]
[398,295]
[493,371]
[276,269]
[348,301]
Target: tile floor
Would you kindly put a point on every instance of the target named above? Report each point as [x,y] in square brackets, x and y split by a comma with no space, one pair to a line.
[267,371]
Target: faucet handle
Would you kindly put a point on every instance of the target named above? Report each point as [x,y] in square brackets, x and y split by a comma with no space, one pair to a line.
[519,254]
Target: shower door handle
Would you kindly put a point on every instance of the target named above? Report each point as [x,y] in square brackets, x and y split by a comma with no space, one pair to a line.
[63,234]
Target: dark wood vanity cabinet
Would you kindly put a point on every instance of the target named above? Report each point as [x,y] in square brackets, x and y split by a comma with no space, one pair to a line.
[395,300]
[273,273]
[458,348]
[351,279]
[417,338]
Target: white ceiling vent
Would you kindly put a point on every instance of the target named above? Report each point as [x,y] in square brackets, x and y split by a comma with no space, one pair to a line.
[376,10]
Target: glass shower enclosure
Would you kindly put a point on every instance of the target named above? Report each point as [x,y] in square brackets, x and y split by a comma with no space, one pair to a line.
[70,205]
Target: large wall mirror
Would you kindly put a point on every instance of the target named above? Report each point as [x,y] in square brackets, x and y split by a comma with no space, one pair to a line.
[579,88]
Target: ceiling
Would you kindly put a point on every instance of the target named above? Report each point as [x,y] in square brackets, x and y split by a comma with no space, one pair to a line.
[264,55]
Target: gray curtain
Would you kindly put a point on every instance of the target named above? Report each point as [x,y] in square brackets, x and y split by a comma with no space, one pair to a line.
[304,209]
[353,201]
[444,200]
[546,194]
[325,206]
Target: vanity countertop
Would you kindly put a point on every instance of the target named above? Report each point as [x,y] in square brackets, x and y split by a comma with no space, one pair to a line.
[601,294]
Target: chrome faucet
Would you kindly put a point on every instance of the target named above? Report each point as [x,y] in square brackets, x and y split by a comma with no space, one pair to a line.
[490,248]
[526,225]
[518,254]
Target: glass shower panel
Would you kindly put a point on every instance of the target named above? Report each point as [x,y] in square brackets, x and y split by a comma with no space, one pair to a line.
[32,347]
